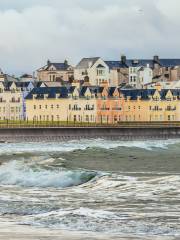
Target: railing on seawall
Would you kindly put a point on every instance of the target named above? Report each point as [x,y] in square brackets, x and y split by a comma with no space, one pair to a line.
[49,124]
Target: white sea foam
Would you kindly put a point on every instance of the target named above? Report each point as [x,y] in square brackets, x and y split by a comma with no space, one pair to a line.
[14,173]
[16,148]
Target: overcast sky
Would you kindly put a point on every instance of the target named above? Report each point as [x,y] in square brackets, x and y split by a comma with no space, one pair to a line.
[32,31]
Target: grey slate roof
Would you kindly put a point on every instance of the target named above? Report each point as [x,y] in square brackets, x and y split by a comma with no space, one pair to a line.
[143,62]
[59,66]
[51,92]
[85,62]
[133,93]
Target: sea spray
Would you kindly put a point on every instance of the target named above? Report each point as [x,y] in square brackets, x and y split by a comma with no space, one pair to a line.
[19,148]
[15,173]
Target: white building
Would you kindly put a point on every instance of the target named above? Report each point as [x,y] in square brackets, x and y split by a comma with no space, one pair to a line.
[140,75]
[93,70]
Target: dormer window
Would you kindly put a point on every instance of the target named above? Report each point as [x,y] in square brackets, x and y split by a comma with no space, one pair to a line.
[57,95]
[34,96]
[45,96]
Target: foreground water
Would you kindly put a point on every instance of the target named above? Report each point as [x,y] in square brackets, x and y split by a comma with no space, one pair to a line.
[94,188]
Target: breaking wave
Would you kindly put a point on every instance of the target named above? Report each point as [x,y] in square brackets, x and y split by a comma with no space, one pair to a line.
[16,148]
[14,173]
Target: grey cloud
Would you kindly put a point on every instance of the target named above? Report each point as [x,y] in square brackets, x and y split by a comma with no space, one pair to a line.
[33,31]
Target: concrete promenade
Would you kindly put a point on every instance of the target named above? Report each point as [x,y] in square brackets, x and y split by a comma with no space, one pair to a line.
[37,134]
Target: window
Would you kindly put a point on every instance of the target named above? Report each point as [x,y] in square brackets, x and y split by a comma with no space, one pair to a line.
[100,72]
[34,106]
[87,118]
[39,106]
[57,105]
[52,106]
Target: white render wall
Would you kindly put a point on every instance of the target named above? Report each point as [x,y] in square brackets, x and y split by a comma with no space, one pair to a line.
[94,78]
[142,75]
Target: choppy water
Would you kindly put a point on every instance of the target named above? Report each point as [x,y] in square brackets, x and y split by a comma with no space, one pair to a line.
[108,187]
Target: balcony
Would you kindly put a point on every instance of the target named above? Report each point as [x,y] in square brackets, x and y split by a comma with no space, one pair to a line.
[76,109]
[170,109]
[117,109]
[104,109]
[154,109]
[89,109]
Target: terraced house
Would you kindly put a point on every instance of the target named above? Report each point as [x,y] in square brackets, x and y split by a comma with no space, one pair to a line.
[151,105]
[110,105]
[11,102]
[103,105]
[61,104]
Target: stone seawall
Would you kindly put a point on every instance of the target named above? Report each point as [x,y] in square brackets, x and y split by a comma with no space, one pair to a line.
[70,133]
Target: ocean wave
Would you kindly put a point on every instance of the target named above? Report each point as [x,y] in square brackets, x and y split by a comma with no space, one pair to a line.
[69,146]
[15,173]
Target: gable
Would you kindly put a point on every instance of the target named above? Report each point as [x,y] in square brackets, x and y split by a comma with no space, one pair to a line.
[116,93]
[51,68]
[104,92]
[87,93]
[100,64]
[169,95]
[13,86]
[75,93]
[156,95]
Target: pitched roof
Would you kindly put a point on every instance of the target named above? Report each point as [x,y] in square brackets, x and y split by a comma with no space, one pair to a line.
[23,84]
[135,93]
[143,63]
[59,66]
[53,84]
[50,92]
[87,62]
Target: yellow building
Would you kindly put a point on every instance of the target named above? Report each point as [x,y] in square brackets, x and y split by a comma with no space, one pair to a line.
[151,105]
[61,104]
[11,102]
[89,104]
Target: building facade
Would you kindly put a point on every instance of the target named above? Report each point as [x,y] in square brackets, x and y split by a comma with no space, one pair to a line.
[103,105]
[11,104]
[61,104]
[53,72]
[94,71]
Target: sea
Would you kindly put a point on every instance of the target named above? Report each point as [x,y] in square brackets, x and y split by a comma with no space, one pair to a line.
[90,189]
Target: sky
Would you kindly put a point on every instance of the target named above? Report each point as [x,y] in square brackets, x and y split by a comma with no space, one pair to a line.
[33,31]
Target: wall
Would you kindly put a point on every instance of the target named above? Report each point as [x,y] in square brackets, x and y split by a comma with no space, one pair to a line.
[63,134]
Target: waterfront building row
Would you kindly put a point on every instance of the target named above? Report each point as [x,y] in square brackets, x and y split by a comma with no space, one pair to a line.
[102,105]
[96,71]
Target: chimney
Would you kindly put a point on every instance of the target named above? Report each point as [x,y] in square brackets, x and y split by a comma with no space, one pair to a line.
[156,59]
[66,62]
[123,59]
[48,62]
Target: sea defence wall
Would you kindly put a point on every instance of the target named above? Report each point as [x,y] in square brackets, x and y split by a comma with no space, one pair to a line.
[71,133]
